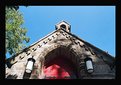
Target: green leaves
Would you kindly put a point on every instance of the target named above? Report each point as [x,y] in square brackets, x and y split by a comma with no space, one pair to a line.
[15,34]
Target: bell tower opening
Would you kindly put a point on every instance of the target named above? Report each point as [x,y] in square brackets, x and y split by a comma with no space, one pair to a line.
[63,26]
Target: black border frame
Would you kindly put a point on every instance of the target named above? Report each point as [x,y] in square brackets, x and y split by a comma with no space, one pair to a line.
[59,3]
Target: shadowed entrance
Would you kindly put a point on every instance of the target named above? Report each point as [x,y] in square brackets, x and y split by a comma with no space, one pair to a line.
[59,68]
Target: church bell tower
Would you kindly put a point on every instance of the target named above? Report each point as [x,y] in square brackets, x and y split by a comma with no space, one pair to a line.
[63,25]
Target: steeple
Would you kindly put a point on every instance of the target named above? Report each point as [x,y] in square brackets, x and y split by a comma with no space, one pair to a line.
[63,25]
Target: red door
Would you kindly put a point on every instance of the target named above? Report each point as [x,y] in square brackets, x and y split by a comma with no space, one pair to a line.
[59,68]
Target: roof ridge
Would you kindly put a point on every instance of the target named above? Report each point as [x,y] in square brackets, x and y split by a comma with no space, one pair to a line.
[88,43]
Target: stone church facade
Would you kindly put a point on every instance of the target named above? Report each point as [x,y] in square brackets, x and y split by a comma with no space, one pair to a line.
[61,55]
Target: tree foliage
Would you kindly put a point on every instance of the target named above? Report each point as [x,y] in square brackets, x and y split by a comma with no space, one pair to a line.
[13,7]
[16,38]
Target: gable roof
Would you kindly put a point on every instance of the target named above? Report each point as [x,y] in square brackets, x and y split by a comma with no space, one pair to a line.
[107,58]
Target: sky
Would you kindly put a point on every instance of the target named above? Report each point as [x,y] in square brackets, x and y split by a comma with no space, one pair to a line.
[94,24]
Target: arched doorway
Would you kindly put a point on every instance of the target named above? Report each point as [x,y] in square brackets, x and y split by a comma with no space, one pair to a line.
[59,68]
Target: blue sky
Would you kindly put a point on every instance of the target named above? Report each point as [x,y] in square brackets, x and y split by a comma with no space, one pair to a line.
[94,24]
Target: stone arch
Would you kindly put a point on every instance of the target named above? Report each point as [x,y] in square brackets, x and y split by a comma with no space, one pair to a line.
[66,51]
[63,53]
